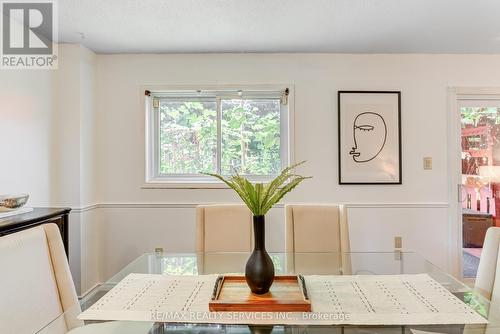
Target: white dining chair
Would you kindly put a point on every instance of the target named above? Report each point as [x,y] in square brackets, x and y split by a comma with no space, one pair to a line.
[318,235]
[36,282]
[488,281]
[489,266]
[39,293]
[223,228]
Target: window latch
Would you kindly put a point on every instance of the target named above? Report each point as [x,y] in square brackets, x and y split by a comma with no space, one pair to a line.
[284,97]
[156,102]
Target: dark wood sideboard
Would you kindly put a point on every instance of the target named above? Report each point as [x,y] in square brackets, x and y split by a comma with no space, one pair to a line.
[39,216]
[474,227]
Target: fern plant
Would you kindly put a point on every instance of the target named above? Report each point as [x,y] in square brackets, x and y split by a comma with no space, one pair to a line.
[261,197]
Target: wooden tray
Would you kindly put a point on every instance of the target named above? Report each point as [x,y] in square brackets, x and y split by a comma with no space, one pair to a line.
[287,294]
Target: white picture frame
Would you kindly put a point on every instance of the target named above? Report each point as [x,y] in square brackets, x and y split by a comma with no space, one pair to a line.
[369,137]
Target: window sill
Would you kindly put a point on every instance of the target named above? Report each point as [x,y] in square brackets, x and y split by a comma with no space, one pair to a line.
[184,185]
[179,182]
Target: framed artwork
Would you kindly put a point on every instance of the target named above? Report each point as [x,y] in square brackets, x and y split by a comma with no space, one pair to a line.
[369,130]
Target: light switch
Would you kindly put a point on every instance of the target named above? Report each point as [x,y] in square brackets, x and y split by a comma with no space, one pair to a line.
[398,242]
[427,163]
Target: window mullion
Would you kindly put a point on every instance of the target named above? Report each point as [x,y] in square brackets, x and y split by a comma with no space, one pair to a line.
[219,136]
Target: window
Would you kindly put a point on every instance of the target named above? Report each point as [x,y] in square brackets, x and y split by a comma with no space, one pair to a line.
[222,131]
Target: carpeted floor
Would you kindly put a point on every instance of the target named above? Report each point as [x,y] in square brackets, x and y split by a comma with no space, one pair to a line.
[471,261]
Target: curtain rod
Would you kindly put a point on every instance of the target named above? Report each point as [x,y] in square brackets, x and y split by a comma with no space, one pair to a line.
[286,91]
[283,98]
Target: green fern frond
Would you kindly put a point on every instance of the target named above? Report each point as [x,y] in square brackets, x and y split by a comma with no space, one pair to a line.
[259,197]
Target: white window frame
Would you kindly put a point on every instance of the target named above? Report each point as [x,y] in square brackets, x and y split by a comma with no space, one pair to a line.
[194,181]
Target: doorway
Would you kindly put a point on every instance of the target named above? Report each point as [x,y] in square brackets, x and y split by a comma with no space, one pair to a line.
[479,198]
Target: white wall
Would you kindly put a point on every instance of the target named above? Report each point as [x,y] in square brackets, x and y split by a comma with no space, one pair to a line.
[46,127]
[26,137]
[423,80]
[119,220]
[74,174]
[42,127]
[135,220]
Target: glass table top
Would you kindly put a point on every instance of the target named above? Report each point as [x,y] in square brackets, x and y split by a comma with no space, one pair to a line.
[325,263]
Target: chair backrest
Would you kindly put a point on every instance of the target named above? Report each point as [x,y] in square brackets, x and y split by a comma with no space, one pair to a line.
[489,266]
[224,228]
[318,228]
[35,279]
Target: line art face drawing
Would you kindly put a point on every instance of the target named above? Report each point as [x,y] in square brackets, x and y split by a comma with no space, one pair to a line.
[370,135]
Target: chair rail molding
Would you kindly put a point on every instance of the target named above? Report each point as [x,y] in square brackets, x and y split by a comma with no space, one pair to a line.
[84,208]
[191,205]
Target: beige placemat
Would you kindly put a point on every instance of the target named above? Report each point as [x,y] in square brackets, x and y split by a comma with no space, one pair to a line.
[336,300]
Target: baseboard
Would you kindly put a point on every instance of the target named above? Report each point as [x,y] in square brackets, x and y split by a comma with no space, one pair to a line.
[86,293]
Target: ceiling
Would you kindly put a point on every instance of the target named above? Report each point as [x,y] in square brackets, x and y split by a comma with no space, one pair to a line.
[344,26]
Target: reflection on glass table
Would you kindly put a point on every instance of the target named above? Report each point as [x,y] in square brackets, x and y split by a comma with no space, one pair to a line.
[365,263]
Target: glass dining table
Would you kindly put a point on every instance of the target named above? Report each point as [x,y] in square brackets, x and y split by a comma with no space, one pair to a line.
[353,263]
